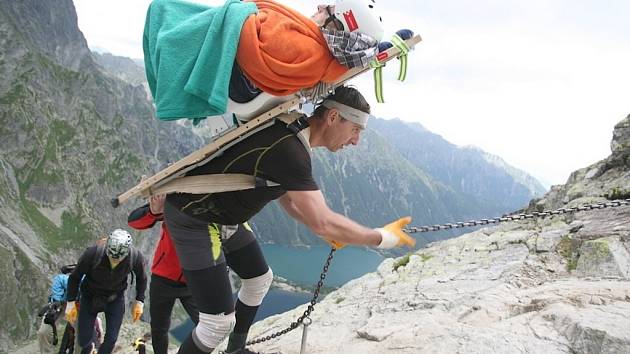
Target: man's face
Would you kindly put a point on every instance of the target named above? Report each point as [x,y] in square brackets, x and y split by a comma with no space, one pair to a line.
[115,261]
[322,14]
[341,132]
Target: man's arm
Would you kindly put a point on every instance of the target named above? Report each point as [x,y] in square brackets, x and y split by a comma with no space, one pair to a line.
[141,276]
[310,208]
[142,218]
[146,216]
[290,208]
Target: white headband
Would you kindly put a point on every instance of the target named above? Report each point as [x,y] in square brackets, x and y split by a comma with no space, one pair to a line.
[352,114]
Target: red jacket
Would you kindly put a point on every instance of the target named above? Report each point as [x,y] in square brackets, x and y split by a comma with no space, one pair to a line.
[165,261]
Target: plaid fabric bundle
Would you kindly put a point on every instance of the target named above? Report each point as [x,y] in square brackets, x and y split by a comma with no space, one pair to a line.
[351,49]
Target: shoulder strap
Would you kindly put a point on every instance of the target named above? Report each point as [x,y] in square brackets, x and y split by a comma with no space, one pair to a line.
[100,251]
[229,182]
[133,257]
[297,124]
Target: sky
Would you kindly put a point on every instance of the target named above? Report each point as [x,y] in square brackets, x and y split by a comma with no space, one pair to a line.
[540,83]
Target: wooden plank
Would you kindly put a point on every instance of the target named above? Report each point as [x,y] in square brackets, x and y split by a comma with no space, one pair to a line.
[202,153]
[175,169]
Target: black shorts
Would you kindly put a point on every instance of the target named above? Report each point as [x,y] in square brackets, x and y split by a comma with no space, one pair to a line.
[200,244]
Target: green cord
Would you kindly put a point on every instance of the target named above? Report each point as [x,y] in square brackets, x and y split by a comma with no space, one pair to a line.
[378,79]
[404,49]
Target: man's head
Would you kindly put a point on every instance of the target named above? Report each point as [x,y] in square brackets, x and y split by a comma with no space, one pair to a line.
[325,18]
[68,268]
[118,244]
[339,119]
[351,15]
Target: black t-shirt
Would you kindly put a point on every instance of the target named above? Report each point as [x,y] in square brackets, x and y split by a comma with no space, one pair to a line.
[275,154]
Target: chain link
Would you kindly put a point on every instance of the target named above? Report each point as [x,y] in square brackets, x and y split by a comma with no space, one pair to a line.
[514,217]
[448,226]
[309,309]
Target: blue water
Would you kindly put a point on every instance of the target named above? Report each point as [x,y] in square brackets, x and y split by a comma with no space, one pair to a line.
[303,266]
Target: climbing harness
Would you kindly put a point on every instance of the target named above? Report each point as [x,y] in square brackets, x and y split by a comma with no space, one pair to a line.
[305,319]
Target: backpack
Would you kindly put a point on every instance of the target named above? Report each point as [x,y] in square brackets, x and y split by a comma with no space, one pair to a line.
[51,312]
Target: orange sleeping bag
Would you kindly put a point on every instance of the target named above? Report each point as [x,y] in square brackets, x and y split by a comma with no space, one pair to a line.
[281,51]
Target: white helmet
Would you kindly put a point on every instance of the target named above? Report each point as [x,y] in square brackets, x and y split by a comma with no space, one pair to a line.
[361,16]
[118,244]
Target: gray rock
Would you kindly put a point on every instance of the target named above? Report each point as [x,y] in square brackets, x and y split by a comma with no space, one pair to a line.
[482,292]
[604,257]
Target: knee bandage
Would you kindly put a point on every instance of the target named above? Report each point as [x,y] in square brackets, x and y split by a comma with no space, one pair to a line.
[253,290]
[212,330]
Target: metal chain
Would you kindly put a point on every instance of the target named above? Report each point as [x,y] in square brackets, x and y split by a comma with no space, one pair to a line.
[448,226]
[309,309]
[514,217]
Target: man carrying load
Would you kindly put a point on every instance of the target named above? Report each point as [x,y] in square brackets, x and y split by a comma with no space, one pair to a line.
[210,231]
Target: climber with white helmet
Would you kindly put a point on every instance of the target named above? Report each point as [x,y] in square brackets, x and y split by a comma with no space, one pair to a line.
[105,270]
[360,16]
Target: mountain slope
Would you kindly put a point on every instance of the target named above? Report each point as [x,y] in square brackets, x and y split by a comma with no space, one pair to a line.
[71,138]
[486,179]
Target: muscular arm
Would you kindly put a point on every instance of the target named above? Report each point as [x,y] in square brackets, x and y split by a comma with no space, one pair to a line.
[309,207]
[290,208]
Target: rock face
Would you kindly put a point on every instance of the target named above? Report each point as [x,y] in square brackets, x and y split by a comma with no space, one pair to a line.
[609,178]
[555,285]
[552,286]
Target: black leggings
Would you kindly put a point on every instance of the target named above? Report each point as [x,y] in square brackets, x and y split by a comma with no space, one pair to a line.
[211,288]
[205,251]
[163,294]
[114,312]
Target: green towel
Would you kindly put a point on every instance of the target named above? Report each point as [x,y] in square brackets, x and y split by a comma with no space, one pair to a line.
[189,51]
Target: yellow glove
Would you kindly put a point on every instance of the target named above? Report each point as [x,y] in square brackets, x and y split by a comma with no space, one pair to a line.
[71,312]
[137,310]
[392,234]
[335,244]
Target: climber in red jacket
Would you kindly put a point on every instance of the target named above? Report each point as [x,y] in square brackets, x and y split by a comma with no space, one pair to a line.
[167,280]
